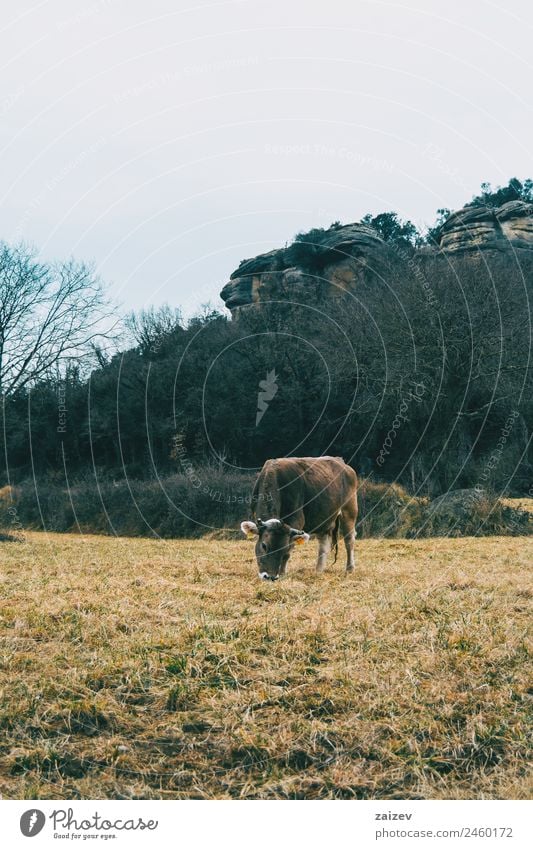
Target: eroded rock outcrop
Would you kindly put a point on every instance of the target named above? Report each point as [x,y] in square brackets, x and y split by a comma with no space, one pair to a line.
[342,258]
[482,228]
[339,259]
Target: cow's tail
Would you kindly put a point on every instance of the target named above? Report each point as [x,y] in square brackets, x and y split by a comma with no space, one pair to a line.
[255,498]
[335,536]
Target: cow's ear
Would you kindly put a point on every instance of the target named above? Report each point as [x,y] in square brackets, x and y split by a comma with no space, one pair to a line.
[299,537]
[249,529]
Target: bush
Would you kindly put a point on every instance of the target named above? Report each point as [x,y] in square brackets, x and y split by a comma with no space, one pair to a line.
[174,506]
[213,503]
[310,252]
[471,512]
[387,510]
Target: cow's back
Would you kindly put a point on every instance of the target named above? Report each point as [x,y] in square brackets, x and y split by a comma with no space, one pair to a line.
[305,492]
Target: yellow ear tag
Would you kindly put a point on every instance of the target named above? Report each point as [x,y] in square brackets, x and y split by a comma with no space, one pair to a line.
[299,540]
[251,535]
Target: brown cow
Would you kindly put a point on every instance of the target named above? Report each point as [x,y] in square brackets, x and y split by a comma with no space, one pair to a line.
[298,496]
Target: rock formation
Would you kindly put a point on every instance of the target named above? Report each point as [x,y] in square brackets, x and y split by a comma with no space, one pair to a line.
[343,256]
[482,228]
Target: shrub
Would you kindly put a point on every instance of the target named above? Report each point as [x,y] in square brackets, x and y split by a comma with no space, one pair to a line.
[387,510]
[309,252]
[214,502]
[470,512]
[174,506]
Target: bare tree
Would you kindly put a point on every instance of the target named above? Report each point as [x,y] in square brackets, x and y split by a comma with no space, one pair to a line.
[49,314]
[151,327]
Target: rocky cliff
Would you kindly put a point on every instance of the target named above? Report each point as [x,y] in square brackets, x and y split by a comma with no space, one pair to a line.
[344,255]
[341,258]
[481,228]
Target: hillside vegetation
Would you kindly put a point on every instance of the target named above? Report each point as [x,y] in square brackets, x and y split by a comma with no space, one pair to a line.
[420,374]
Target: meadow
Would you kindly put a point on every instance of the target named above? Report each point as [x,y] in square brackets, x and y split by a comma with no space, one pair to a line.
[138,668]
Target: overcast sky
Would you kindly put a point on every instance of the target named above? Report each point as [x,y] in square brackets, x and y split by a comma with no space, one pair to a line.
[167,140]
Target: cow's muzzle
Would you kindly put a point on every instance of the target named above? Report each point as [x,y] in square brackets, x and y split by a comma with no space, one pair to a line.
[266,577]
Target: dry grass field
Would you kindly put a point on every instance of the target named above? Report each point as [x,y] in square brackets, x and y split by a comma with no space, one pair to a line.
[147,669]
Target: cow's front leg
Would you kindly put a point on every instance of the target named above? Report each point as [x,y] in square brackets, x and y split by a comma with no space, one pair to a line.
[324,548]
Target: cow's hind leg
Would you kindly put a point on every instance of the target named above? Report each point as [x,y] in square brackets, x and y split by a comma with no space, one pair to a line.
[348,517]
[324,548]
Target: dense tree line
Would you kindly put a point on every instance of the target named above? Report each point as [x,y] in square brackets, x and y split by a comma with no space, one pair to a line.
[412,381]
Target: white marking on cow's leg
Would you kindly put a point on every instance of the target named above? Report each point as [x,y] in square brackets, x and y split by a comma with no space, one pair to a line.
[349,542]
[324,548]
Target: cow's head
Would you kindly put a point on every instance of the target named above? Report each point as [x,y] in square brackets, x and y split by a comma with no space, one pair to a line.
[274,543]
